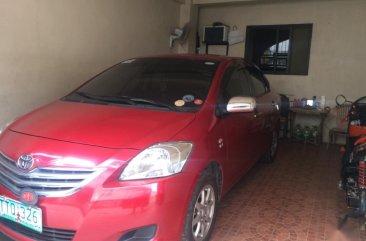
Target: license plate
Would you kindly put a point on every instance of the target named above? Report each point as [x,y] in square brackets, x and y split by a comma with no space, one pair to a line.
[30,217]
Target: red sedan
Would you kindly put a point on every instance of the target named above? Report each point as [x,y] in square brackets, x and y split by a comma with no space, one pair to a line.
[144,151]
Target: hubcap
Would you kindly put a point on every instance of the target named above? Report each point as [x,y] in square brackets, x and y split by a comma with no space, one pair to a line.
[203,213]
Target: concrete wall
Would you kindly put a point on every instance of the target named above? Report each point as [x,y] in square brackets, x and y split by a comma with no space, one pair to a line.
[188,14]
[49,47]
[338,55]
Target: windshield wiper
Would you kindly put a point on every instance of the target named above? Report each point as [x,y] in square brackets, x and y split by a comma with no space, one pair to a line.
[86,95]
[105,99]
[151,102]
[125,100]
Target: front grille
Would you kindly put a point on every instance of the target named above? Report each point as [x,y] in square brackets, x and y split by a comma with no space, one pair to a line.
[47,182]
[48,234]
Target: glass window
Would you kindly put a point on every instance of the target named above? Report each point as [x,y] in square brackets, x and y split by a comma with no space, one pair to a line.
[279,49]
[258,84]
[161,80]
[236,85]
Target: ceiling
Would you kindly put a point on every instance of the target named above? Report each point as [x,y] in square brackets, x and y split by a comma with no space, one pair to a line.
[203,2]
[219,1]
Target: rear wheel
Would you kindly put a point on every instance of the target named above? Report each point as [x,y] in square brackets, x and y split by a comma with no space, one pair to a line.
[270,154]
[201,214]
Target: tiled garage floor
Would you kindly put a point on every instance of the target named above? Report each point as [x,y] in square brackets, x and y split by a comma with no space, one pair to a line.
[295,198]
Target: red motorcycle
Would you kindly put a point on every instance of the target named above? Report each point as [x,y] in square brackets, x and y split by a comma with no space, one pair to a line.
[353,172]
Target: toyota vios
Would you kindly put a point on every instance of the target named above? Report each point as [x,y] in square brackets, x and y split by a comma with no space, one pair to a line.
[143,151]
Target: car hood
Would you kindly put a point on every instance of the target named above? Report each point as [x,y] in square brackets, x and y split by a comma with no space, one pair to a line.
[102,125]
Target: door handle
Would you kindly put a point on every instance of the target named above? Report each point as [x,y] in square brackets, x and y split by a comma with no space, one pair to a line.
[275,106]
[257,113]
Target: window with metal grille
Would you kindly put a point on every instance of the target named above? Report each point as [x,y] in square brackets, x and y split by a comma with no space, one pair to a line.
[280,49]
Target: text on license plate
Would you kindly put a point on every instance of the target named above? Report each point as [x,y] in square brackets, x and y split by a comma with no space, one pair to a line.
[30,217]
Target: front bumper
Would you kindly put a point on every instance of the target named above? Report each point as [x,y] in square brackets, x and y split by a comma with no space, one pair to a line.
[106,212]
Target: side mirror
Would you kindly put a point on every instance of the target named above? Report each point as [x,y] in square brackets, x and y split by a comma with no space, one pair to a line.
[241,104]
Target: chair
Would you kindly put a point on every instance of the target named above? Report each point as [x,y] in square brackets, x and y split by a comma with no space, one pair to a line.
[341,127]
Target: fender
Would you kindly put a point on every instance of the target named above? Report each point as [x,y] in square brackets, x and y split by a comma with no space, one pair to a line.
[360,140]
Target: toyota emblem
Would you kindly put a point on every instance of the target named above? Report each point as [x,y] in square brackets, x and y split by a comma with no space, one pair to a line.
[25,162]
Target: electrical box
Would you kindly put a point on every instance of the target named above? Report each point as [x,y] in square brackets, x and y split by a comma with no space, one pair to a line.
[215,34]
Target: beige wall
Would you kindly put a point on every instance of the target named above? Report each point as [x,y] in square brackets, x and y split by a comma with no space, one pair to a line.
[49,47]
[338,53]
[189,14]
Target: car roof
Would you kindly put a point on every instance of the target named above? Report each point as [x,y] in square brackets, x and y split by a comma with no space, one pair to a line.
[204,57]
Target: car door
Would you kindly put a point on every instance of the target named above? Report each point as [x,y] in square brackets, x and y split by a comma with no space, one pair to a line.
[266,105]
[240,131]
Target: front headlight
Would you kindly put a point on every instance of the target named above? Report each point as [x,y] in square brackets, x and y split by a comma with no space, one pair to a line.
[160,160]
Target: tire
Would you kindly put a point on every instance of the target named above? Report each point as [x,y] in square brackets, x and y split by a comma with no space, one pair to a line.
[363,203]
[201,213]
[270,154]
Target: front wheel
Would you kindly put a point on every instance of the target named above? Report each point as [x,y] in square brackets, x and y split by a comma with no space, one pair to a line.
[201,214]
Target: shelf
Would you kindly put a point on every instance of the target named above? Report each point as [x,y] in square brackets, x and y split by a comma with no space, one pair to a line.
[223,43]
[321,114]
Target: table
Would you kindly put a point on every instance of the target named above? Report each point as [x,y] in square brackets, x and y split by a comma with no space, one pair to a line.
[322,114]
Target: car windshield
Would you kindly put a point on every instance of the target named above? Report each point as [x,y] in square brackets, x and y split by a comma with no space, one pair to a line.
[169,83]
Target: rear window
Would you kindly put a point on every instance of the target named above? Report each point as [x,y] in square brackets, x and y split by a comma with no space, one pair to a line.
[180,83]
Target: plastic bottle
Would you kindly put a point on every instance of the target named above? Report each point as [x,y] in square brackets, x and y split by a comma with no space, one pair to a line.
[307,133]
[298,132]
[315,133]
